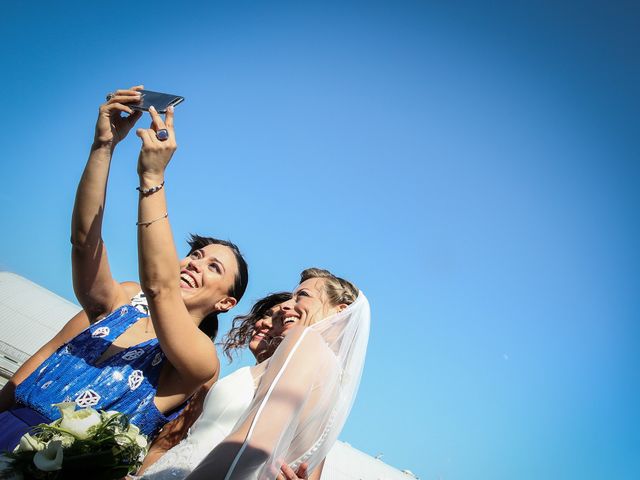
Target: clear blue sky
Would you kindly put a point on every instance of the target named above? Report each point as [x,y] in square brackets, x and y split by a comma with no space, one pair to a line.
[472,166]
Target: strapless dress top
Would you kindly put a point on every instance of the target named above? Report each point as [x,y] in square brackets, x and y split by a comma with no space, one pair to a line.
[223,406]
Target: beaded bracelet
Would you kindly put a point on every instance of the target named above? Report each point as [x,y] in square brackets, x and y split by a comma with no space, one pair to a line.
[146,224]
[149,191]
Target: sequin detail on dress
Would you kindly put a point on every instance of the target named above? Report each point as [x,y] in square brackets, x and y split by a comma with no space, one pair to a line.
[125,382]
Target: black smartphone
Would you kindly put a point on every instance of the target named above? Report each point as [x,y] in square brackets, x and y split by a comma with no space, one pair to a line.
[161,101]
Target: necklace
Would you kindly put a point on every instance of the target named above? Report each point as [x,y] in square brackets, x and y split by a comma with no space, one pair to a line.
[146,325]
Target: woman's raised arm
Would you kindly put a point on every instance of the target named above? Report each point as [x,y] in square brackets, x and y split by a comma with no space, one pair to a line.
[188,349]
[94,286]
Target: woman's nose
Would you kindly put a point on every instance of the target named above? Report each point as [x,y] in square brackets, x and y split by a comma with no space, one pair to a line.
[194,265]
[264,323]
[287,306]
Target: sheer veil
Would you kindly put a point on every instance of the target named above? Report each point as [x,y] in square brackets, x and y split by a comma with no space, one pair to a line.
[304,396]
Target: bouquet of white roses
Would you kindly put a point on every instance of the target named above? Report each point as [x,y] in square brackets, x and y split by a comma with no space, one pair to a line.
[83,443]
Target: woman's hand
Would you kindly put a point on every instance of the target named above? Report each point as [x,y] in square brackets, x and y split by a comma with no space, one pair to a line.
[289,474]
[111,126]
[158,144]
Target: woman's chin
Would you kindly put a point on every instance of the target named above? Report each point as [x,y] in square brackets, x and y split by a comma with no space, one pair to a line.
[254,345]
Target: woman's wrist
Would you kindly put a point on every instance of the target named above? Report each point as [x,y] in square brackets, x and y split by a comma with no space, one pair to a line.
[150,180]
[106,145]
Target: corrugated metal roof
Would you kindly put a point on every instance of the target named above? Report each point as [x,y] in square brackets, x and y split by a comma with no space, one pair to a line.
[30,315]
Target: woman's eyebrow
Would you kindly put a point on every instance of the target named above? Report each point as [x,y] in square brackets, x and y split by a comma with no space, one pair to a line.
[218,261]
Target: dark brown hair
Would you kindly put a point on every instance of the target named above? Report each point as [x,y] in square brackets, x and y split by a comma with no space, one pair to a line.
[209,324]
[242,330]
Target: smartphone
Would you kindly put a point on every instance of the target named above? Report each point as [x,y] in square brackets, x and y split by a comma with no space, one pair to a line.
[161,101]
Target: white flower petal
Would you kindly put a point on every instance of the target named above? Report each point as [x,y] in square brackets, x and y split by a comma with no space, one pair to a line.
[141,440]
[65,407]
[29,443]
[80,422]
[49,459]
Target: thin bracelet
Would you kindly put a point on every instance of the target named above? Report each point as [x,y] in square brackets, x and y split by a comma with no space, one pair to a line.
[146,224]
[149,191]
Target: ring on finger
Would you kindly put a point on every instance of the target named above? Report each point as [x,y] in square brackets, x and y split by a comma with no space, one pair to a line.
[162,134]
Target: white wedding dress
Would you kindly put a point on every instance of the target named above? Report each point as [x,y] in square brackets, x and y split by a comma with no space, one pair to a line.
[225,403]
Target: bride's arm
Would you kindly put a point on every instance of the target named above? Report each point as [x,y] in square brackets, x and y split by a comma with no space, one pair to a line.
[267,430]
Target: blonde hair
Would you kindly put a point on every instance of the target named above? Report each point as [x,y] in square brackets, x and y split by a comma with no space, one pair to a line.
[338,289]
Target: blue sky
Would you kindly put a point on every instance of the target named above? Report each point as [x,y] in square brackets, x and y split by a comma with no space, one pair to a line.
[472,166]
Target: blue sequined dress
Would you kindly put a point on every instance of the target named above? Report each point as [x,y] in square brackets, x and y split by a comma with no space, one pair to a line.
[125,382]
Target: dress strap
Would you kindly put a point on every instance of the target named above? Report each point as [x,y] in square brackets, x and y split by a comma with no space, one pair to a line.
[140,302]
[94,341]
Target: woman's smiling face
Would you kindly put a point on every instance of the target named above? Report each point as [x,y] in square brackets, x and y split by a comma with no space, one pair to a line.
[267,333]
[206,277]
[308,305]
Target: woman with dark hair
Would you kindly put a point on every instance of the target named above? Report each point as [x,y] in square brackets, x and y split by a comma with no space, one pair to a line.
[246,329]
[142,354]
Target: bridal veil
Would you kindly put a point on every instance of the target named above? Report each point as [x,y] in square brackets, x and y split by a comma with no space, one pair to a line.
[304,396]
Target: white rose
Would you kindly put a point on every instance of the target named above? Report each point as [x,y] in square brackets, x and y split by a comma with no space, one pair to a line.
[141,440]
[68,407]
[49,459]
[132,434]
[107,415]
[133,431]
[78,422]
[29,444]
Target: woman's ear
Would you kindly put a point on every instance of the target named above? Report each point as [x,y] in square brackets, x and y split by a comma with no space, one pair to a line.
[225,304]
[341,307]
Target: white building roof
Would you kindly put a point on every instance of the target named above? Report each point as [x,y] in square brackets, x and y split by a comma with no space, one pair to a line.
[30,315]
[347,463]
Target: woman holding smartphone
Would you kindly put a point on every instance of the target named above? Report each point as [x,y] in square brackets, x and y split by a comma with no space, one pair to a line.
[141,354]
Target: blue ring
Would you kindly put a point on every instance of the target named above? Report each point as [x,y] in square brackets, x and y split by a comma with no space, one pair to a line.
[162,134]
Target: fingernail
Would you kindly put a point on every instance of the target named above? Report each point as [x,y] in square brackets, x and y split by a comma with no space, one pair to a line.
[170,108]
[152,108]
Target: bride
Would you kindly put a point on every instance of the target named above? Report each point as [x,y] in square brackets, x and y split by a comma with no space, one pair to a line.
[290,408]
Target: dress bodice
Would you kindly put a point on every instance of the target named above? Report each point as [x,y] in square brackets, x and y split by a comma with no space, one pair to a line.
[223,406]
[125,382]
